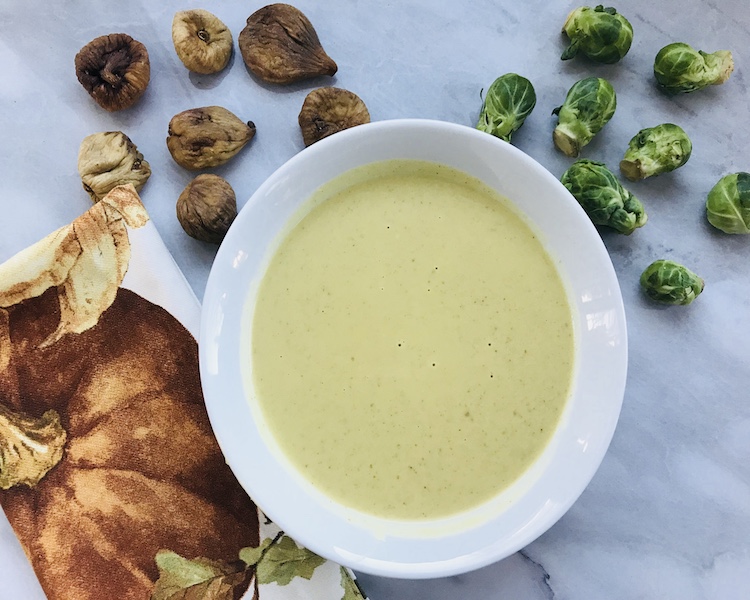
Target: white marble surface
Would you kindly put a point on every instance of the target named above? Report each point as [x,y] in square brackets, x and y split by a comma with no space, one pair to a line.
[668,513]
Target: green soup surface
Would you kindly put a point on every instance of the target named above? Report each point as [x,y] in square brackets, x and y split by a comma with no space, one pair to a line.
[412,342]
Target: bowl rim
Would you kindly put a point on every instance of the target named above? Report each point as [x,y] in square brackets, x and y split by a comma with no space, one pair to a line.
[214,325]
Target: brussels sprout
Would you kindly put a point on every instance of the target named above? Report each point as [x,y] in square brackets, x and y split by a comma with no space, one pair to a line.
[680,68]
[588,107]
[728,204]
[599,33]
[656,150]
[671,283]
[602,196]
[510,99]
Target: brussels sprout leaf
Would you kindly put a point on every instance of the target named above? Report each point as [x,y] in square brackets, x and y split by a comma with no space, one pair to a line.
[728,204]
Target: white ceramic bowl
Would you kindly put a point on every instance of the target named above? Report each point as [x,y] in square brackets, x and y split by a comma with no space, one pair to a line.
[546,491]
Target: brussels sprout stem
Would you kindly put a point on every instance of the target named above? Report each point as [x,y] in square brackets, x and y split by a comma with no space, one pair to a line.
[632,169]
[566,143]
[725,64]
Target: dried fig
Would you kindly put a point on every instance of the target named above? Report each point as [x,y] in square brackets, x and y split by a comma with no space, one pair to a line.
[328,110]
[202,42]
[109,159]
[206,208]
[114,69]
[207,137]
[280,45]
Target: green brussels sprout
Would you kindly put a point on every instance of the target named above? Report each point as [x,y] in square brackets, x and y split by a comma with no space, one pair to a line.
[728,203]
[588,107]
[599,33]
[510,99]
[679,68]
[602,196]
[656,150]
[671,283]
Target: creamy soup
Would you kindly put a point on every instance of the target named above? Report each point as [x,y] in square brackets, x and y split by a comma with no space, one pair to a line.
[412,342]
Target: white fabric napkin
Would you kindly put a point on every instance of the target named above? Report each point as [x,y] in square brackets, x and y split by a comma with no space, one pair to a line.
[122,492]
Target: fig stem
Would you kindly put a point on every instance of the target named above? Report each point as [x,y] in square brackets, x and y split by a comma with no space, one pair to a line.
[108,75]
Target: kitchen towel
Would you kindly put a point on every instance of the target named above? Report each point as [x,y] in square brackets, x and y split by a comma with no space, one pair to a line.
[109,472]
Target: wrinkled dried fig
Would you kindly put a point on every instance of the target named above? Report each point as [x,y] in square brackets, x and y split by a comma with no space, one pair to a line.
[207,137]
[328,110]
[206,208]
[202,42]
[280,45]
[109,159]
[114,69]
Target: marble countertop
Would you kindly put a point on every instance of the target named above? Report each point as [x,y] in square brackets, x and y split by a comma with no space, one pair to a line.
[668,513]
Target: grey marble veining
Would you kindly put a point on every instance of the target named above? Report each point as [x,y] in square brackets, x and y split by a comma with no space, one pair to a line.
[668,514]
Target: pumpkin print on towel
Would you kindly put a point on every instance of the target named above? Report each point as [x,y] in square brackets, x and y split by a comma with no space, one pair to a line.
[109,471]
